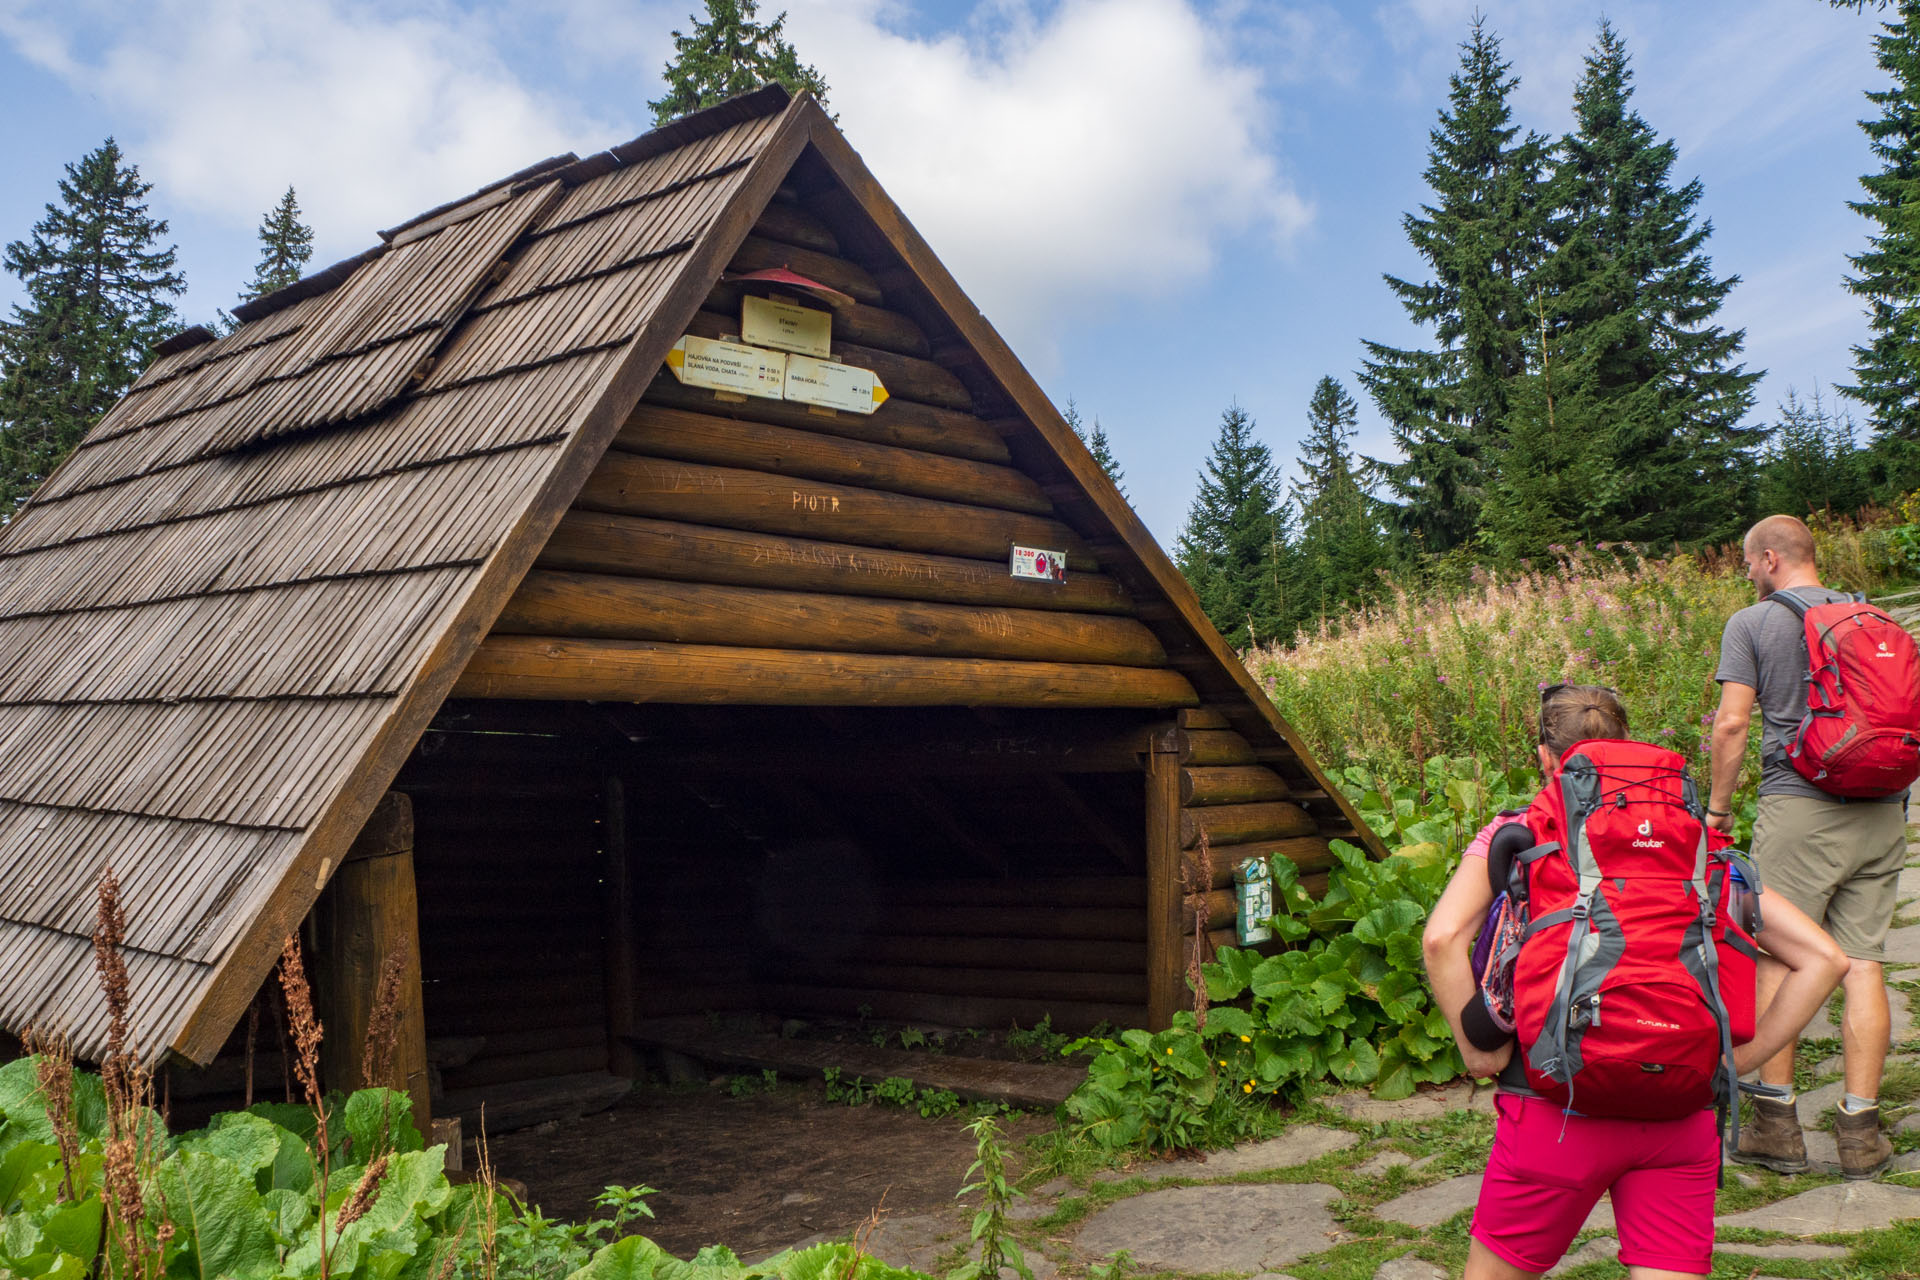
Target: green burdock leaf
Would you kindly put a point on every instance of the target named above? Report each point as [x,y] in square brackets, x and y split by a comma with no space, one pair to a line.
[380,1120]
[248,1141]
[74,1229]
[1393,919]
[218,1218]
[18,1165]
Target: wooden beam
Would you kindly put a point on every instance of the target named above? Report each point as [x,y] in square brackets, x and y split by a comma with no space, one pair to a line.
[370,912]
[621,937]
[1128,853]
[899,422]
[1308,853]
[854,322]
[607,606]
[1231,784]
[1205,747]
[1244,823]
[641,671]
[757,254]
[790,224]
[603,542]
[1164,852]
[909,377]
[733,498]
[730,442]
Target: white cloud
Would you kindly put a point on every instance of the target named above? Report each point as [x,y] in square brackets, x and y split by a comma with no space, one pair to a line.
[373,114]
[1101,150]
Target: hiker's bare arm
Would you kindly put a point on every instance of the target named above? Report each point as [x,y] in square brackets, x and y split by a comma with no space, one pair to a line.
[1729,749]
[1448,942]
[1814,968]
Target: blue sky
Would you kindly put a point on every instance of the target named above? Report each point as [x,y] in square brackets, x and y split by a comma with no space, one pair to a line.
[1164,205]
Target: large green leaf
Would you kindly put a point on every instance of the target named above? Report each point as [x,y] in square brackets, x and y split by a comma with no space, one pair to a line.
[634,1258]
[1394,918]
[217,1216]
[380,1120]
[18,1165]
[247,1140]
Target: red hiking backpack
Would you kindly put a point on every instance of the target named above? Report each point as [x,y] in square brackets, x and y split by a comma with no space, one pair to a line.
[1861,733]
[1632,981]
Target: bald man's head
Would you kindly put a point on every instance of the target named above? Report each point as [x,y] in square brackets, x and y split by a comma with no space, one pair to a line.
[1779,553]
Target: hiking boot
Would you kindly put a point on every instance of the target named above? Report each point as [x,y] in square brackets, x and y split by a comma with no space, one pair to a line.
[1772,1139]
[1864,1150]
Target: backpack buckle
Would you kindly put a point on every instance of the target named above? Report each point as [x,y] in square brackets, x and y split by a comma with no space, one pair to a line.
[1582,906]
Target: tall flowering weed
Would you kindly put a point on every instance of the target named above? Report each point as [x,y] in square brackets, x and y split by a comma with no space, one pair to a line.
[1415,676]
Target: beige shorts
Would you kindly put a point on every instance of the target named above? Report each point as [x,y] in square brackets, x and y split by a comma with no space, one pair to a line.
[1839,863]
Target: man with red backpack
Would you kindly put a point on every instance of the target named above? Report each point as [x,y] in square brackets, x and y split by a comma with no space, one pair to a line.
[1837,684]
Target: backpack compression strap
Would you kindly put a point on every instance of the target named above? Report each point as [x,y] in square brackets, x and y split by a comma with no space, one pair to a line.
[1550,1055]
[1706,970]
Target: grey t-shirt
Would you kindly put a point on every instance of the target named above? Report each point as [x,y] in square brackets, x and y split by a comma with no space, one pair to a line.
[1764,647]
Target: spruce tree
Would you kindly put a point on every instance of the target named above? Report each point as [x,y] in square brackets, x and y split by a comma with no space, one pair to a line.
[1887,369]
[1341,547]
[1235,548]
[1630,298]
[1480,238]
[286,246]
[1812,461]
[728,53]
[99,285]
[1097,444]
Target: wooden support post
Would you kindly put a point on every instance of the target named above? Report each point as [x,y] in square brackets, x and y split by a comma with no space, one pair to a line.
[1164,962]
[622,1058]
[370,909]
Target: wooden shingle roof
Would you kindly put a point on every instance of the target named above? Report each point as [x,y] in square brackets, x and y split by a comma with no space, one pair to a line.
[226,620]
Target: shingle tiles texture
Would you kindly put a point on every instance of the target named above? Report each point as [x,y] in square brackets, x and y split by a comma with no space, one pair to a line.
[209,611]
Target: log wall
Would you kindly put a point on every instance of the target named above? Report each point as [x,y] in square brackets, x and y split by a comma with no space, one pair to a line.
[762,551]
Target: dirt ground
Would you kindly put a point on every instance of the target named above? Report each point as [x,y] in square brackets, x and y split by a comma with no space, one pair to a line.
[757,1173]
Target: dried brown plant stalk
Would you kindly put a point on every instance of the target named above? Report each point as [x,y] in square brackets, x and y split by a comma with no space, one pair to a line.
[306,1030]
[52,1053]
[489,1180]
[365,1192]
[863,1234]
[253,1041]
[131,1145]
[1196,875]
[383,1026]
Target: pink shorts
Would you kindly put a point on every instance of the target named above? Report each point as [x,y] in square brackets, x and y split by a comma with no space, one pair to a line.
[1541,1184]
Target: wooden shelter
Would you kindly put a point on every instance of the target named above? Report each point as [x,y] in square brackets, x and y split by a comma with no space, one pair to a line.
[691,701]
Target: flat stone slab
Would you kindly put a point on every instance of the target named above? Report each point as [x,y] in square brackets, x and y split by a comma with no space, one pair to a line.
[1039,1202]
[1426,1104]
[1204,1229]
[1431,1206]
[1797,1252]
[1380,1163]
[1853,1206]
[914,1242]
[1602,1250]
[1407,1267]
[1903,945]
[1296,1146]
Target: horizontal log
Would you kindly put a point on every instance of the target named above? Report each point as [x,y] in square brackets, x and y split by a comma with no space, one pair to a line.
[1076,955]
[984,755]
[1113,988]
[899,421]
[790,224]
[1201,718]
[908,376]
[1108,924]
[1222,905]
[1070,1016]
[1051,891]
[1241,823]
[1308,853]
[505,1068]
[602,542]
[1207,747]
[606,606]
[852,322]
[642,671]
[730,442]
[734,498]
[756,253]
[1230,784]
[496,1010]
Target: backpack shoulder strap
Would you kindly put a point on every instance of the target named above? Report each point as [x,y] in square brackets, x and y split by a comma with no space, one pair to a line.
[1786,597]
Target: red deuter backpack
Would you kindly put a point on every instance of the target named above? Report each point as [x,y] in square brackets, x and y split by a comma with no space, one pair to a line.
[1861,734]
[1633,981]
